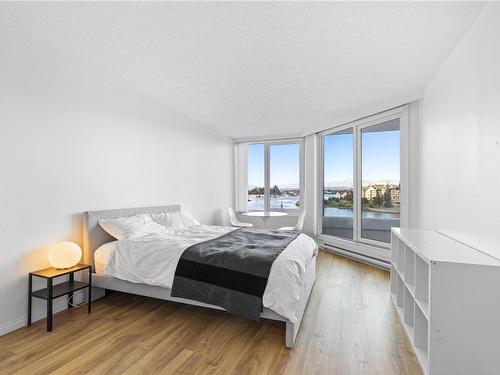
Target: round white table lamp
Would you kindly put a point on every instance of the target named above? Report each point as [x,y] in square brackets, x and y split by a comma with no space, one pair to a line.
[64,255]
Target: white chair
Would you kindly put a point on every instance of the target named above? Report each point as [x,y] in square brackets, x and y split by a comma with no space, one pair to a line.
[234,219]
[300,223]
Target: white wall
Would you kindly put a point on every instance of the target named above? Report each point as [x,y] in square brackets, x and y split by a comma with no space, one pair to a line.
[69,143]
[311,184]
[460,139]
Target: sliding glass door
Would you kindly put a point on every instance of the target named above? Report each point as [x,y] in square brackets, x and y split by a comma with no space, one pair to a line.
[360,181]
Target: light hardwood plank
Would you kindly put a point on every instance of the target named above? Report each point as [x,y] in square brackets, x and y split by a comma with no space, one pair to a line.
[350,327]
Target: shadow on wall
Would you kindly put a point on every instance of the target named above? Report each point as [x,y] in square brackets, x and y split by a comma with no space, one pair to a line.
[31,261]
[77,229]
[220,217]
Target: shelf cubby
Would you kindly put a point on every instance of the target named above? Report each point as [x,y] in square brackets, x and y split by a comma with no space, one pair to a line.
[394,276]
[421,339]
[409,266]
[422,284]
[400,291]
[401,257]
[431,277]
[409,308]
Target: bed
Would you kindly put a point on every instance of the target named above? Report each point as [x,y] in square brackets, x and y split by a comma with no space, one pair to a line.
[96,239]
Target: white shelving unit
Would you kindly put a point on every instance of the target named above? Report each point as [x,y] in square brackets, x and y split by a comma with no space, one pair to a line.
[448,299]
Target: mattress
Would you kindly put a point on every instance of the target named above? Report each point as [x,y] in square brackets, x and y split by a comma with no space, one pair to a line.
[152,260]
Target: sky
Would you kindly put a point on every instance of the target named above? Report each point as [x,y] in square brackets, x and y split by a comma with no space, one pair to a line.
[380,160]
[380,156]
[284,163]
[256,165]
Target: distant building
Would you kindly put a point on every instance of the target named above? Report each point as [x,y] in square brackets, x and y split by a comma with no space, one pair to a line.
[368,192]
[396,196]
[381,189]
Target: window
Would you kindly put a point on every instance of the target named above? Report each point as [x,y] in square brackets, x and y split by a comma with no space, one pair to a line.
[361,185]
[338,184]
[256,177]
[274,176]
[284,161]
[380,185]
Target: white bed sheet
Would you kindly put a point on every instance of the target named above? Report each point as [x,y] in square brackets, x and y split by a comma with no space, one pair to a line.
[153,259]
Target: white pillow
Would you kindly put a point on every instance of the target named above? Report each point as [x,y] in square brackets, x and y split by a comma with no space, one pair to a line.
[129,227]
[174,220]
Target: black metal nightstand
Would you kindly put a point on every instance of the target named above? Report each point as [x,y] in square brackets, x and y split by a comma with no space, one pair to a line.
[54,291]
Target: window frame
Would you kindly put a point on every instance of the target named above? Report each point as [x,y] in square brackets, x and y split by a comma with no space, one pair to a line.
[358,243]
[267,174]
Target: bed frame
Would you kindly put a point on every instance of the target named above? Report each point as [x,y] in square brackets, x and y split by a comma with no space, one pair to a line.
[94,236]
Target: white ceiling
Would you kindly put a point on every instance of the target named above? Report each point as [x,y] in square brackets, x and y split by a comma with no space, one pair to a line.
[252,69]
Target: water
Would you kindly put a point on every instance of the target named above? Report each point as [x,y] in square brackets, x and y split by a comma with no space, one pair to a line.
[347,212]
[289,202]
[258,203]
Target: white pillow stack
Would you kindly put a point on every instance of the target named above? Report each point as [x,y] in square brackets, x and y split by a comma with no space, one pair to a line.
[175,220]
[130,227]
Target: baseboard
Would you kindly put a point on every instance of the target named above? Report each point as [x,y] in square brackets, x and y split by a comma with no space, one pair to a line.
[59,305]
[358,257]
[380,253]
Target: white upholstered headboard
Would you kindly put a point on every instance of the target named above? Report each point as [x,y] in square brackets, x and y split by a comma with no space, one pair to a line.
[94,236]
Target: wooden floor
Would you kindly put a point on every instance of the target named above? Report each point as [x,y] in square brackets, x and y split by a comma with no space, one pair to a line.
[350,327]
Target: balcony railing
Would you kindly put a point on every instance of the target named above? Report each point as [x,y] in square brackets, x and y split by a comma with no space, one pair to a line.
[377,229]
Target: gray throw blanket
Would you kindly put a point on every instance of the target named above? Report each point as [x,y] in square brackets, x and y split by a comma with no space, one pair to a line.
[231,271]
